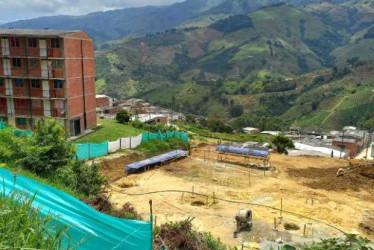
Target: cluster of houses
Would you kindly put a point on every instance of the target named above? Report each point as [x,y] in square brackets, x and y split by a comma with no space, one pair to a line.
[107,107]
[347,143]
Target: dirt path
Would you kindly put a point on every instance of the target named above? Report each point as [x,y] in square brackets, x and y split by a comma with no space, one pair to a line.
[332,111]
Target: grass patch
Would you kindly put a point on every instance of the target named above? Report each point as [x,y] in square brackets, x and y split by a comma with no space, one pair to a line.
[156,147]
[110,130]
[50,182]
[22,227]
[237,137]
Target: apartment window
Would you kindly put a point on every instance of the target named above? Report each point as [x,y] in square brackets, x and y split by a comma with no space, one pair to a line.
[58,84]
[16,62]
[35,83]
[36,103]
[55,43]
[21,121]
[15,42]
[33,42]
[20,102]
[59,104]
[18,83]
[1,81]
[34,63]
[57,64]
[2,103]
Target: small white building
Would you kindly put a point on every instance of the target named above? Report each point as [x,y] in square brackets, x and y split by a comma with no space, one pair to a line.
[273,133]
[250,130]
[349,128]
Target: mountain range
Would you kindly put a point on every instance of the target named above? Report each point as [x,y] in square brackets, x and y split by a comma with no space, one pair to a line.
[302,61]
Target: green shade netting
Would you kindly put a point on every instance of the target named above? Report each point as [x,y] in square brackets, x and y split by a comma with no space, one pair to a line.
[160,136]
[97,230]
[87,151]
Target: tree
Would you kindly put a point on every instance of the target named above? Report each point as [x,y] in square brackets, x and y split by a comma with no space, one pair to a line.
[48,150]
[366,124]
[123,117]
[283,143]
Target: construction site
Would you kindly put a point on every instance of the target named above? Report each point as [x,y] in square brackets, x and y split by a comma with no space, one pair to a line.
[257,200]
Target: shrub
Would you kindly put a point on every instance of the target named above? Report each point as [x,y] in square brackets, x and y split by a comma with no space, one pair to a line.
[49,154]
[153,127]
[81,177]
[123,117]
[283,143]
[350,241]
[48,150]
[182,235]
[157,146]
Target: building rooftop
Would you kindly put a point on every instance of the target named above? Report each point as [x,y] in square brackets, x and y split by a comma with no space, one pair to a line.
[35,32]
[347,140]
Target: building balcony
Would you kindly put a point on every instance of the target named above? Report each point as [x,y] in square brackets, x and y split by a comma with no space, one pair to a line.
[36,112]
[32,93]
[8,52]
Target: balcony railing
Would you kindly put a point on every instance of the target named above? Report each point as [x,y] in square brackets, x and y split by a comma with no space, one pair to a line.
[5,52]
[40,52]
[29,111]
[32,92]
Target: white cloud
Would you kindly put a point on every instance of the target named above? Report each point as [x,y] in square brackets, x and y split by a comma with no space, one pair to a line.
[12,10]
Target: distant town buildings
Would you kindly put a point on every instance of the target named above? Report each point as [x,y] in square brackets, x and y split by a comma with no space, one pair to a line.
[249,130]
[138,108]
[47,73]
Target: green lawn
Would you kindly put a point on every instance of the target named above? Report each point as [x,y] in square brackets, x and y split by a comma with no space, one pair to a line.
[109,130]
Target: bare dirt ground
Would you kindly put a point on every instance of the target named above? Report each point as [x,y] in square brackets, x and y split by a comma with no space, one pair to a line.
[307,186]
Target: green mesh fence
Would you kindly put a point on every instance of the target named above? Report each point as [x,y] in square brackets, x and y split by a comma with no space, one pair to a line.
[91,150]
[2,125]
[161,136]
[16,132]
[93,229]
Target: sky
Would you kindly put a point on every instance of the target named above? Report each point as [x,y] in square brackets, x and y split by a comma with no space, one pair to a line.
[12,10]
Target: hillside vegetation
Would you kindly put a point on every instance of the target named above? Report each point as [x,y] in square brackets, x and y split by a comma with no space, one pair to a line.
[280,61]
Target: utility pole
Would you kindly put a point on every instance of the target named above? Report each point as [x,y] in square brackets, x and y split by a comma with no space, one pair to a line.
[342,146]
[368,145]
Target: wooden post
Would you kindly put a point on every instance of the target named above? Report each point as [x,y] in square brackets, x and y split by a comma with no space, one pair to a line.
[182,197]
[130,142]
[207,200]
[249,178]
[150,207]
[264,171]
[281,210]
[304,231]
[193,191]
[275,223]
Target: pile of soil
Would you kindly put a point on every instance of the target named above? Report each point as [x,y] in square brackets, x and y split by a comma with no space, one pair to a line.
[114,169]
[319,178]
[178,236]
[102,204]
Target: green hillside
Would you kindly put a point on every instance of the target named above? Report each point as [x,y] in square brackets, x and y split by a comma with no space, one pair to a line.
[279,61]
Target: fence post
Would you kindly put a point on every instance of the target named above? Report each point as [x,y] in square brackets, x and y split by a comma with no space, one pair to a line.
[89,151]
[120,143]
[130,142]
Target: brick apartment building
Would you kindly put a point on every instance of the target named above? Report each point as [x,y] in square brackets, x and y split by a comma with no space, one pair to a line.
[47,73]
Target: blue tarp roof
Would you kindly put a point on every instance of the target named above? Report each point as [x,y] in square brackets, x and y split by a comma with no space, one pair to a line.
[243,151]
[131,168]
